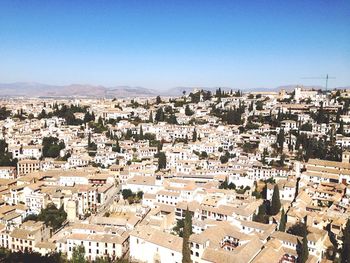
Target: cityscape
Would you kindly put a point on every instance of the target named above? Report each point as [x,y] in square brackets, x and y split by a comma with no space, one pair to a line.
[174,152]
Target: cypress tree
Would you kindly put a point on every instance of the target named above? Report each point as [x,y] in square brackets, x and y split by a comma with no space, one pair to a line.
[194,135]
[341,127]
[337,117]
[100,121]
[261,217]
[128,134]
[304,253]
[141,133]
[320,118]
[117,146]
[188,111]
[186,251]
[150,118]
[160,115]
[282,226]
[264,155]
[161,160]
[275,202]
[89,140]
[218,93]
[280,140]
[345,252]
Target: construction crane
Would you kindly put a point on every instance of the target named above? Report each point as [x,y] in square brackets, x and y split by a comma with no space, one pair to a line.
[325,78]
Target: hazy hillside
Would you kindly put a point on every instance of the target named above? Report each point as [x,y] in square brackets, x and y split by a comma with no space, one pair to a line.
[74,90]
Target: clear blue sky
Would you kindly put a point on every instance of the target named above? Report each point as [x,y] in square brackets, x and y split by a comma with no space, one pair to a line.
[164,44]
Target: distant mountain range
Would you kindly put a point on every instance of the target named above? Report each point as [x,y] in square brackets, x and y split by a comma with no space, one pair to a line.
[29,89]
[24,89]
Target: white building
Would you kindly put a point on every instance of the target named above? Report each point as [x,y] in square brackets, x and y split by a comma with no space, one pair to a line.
[152,245]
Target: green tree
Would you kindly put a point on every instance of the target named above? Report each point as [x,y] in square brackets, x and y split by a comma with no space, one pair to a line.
[4,113]
[161,160]
[100,121]
[298,229]
[139,194]
[150,118]
[89,140]
[103,260]
[341,127]
[321,118]
[304,252]
[128,134]
[337,117]
[126,193]
[282,225]
[42,114]
[89,117]
[224,184]
[78,255]
[186,251]
[195,97]
[261,217]
[345,251]
[160,115]
[203,155]
[188,111]
[11,257]
[141,133]
[179,228]
[116,148]
[3,146]
[194,135]
[224,158]
[259,105]
[234,116]
[51,216]
[275,202]
[264,155]
[306,127]
[218,93]
[171,119]
[52,147]
[5,156]
[280,140]
[54,151]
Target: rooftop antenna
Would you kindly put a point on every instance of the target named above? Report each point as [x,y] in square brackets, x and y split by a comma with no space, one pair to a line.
[325,78]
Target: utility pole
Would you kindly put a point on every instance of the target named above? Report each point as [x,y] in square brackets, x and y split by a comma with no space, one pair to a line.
[324,78]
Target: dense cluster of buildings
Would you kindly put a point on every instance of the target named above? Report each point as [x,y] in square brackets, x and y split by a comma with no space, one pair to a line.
[124,173]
